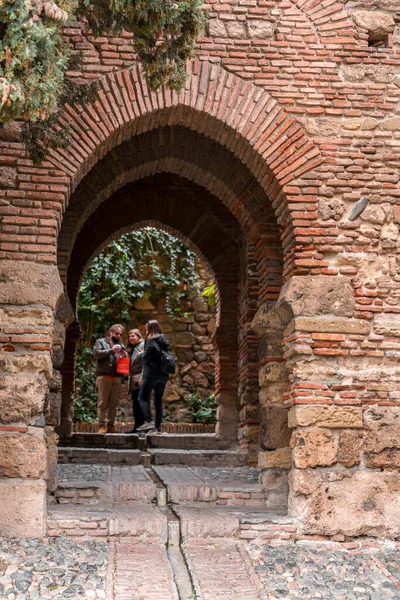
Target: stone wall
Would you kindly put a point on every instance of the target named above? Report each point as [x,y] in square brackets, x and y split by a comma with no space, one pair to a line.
[289,118]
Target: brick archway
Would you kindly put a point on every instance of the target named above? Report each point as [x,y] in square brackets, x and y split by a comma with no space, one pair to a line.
[200,220]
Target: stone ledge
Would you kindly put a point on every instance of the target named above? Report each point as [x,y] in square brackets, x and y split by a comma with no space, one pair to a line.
[330,325]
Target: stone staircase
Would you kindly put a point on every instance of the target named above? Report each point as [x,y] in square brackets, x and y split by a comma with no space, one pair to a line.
[131,449]
[124,484]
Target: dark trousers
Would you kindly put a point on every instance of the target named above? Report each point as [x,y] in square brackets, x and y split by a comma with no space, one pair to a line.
[137,411]
[148,385]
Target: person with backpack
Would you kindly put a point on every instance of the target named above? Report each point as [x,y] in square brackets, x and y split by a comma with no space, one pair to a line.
[158,364]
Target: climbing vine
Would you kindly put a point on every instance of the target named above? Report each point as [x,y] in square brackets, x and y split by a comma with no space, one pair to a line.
[35,59]
[144,263]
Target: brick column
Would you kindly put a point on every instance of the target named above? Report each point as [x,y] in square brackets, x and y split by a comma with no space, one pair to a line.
[29,293]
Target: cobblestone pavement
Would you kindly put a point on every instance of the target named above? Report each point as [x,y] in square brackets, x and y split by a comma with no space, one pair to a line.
[297,571]
[52,568]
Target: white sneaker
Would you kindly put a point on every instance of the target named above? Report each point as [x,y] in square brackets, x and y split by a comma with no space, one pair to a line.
[146,426]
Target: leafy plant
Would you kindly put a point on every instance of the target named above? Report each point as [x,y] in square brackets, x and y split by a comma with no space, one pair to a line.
[202,411]
[35,58]
[209,293]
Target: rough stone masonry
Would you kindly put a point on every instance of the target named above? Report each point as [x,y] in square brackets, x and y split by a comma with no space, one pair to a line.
[290,115]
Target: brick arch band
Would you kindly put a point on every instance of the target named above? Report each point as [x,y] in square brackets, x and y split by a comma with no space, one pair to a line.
[217,105]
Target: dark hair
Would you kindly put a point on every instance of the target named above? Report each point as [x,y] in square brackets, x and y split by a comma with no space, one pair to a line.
[137,333]
[153,329]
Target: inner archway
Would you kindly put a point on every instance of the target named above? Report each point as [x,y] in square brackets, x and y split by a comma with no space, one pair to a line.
[149,273]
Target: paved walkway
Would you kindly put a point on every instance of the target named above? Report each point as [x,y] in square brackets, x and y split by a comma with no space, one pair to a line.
[137,568]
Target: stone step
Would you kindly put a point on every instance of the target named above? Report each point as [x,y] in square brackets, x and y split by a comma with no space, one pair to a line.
[186,441]
[195,458]
[97,456]
[92,484]
[103,520]
[109,440]
[231,486]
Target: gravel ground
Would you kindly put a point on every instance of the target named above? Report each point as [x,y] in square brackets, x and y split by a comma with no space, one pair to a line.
[296,571]
[52,568]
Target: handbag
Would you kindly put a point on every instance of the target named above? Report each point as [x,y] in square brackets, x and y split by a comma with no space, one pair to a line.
[123,365]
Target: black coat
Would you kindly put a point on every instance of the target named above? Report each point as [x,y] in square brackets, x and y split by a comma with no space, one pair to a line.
[152,357]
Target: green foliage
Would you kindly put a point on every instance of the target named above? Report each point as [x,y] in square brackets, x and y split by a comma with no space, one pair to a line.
[209,293]
[35,59]
[202,411]
[141,263]
[85,405]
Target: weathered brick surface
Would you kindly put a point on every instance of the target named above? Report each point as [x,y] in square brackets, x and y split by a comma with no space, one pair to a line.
[287,119]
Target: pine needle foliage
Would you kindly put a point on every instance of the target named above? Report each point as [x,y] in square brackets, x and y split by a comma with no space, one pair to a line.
[34,58]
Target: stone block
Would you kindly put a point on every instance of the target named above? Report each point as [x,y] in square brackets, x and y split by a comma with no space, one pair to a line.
[382,437]
[23,508]
[316,370]
[349,447]
[217,29]
[274,430]
[23,455]
[272,372]
[260,29]
[343,501]
[378,24]
[22,398]
[53,414]
[25,283]
[314,447]
[326,416]
[310,296]
[8,177]
[387,324]
[31,364]
[236,30]
[185,339]
[332,325]
[52,458]
[282,458]
[11,131]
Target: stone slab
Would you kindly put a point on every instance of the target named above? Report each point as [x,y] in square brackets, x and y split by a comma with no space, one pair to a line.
[23,508]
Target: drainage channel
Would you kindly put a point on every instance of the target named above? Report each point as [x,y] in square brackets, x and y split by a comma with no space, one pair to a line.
[176,558]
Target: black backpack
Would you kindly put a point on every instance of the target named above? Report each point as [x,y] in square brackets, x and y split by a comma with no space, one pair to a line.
[167,360]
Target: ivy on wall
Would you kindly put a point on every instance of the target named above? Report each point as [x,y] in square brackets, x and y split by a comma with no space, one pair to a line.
[35,59]
[136,265]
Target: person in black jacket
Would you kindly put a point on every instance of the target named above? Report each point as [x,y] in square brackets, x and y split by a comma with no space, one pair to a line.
[135,350]
[152,376]
[108,381]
